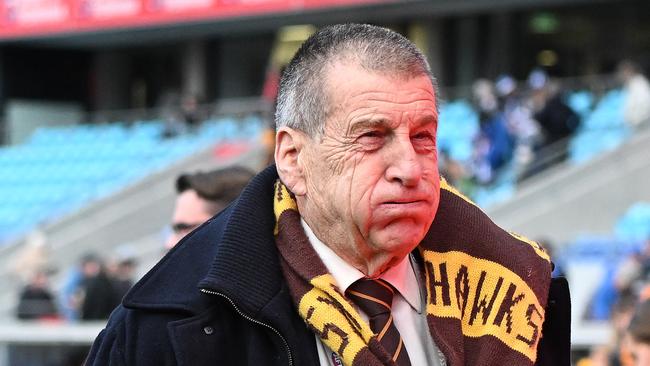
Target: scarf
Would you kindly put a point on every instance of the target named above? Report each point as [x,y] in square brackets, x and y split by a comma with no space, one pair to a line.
[486,289]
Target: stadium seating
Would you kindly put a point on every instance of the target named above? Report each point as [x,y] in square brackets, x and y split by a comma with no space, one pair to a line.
[60,169]
[602,130]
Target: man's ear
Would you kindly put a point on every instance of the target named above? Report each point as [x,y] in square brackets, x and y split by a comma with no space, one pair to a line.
[289,145]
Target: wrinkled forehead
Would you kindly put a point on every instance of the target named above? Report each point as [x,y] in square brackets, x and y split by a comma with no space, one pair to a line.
[356,93]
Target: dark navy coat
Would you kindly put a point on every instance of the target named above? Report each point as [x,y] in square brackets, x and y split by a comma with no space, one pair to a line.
[219,298]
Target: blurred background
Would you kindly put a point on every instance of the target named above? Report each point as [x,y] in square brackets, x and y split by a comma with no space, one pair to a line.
[545,123]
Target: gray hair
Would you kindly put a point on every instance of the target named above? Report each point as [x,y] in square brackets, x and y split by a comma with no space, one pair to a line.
[303,102]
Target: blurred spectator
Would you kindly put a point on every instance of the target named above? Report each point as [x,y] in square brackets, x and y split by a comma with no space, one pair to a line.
[493,148]
[99,297]
[636,109]
[556,119]
[634,272]
[604,298]
[32,257]
[36,299]
[183,114]
[639,334]
[623,279]
[123,276]
[621,315]
[201,195]
[74,285]
[191,111]
[519,119]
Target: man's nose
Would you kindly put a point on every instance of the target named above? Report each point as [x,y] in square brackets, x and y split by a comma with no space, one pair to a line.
[403,165]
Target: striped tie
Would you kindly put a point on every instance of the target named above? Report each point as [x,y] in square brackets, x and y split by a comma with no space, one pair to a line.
[375,298]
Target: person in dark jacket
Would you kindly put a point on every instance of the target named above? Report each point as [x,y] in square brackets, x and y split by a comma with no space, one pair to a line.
[351,250]
[36,301]
[557,119]
[99,297]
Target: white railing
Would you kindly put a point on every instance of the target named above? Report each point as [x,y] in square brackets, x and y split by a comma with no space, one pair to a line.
[35,333]
[45,343]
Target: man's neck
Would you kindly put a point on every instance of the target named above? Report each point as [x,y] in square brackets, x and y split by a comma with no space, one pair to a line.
[371,264]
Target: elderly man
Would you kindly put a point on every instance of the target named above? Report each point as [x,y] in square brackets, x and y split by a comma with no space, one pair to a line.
[333,255]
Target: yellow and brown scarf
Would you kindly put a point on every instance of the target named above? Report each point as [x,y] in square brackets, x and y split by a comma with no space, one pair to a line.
[486,289]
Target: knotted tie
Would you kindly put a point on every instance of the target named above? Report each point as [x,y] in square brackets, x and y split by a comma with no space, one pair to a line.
[375,298]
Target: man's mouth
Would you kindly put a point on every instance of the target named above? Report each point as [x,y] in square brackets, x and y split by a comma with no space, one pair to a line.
[404,203]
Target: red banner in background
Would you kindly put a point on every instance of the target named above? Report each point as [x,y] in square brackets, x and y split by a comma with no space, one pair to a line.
[19,13]
[38,18]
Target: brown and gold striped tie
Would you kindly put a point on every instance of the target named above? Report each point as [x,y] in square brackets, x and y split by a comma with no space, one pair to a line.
[375,298]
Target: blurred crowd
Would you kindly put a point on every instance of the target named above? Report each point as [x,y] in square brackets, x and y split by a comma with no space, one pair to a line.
[525,127]
[89,290]
[623,299]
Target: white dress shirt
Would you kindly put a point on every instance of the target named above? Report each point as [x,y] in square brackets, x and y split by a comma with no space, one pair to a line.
[407,309]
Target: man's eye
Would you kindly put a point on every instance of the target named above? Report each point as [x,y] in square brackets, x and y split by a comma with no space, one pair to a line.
[423,136]
[372,134]
[371,137]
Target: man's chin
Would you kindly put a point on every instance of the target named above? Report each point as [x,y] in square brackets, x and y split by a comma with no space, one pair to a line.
[399,236]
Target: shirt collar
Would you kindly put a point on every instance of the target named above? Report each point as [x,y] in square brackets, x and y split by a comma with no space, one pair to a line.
[401,276]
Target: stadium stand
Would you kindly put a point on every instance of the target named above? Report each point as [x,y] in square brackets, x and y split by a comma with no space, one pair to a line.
[60,169]
[602,129]
[574,199]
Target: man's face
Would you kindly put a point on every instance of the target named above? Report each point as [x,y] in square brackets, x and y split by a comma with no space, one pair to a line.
[372,183]
[190,212]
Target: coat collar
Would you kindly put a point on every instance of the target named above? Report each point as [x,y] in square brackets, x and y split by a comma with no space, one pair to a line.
[234,254]
[246,267]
